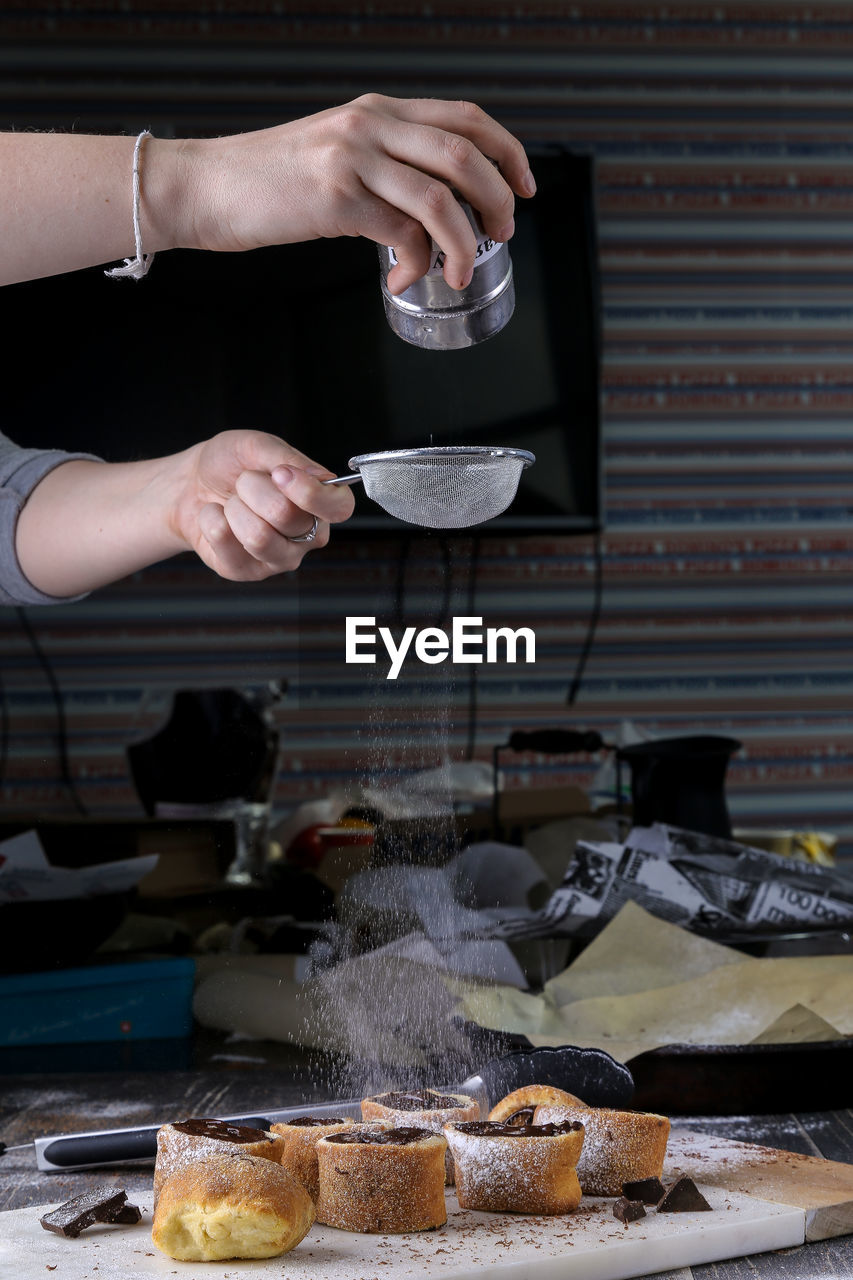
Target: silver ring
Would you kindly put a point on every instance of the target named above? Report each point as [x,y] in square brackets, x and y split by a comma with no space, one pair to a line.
[310,535]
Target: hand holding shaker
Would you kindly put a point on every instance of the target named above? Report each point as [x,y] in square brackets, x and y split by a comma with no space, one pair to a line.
[431,315]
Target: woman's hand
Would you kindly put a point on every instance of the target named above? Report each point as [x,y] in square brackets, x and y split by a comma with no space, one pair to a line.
[236,500]
[378,167]
[245,496]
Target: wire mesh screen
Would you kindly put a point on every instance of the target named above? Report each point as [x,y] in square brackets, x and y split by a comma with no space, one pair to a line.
[438,492]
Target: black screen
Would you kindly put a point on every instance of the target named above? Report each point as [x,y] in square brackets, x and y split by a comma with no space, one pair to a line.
[294,340]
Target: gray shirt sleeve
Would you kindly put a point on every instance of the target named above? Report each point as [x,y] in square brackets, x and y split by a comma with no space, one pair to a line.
[20,472]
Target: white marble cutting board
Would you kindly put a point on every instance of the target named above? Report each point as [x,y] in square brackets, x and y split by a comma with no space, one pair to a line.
[588,1245]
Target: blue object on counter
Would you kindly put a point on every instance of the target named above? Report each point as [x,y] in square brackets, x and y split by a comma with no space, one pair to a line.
[151,1000]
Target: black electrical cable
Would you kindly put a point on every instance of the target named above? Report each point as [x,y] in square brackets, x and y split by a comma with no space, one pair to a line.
[595,614]
[59,703]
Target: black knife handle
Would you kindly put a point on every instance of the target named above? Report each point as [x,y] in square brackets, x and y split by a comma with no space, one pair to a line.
[591,1074]
[97,1148]
[107,1146]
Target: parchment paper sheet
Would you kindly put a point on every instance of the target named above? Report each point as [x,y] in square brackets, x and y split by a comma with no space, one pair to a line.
[643,983]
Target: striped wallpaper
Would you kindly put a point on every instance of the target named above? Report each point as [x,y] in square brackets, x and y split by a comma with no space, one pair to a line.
[725,191]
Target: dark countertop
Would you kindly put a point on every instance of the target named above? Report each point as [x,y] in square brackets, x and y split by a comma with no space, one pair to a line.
[33,1105]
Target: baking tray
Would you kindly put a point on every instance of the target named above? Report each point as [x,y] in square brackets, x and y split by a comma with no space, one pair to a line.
[751,1079]
[723,1080]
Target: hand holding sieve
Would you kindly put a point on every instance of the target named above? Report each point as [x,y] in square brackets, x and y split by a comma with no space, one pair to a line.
[451,487]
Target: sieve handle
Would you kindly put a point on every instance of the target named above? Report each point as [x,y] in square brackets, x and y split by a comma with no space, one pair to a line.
[353,479]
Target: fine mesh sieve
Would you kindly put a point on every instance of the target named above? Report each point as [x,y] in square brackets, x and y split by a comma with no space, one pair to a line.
[441,488]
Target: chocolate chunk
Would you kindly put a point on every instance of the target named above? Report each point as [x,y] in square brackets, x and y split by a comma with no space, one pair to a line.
[628,1210]
[683,1197]
[128,1215]
[100,1205]
[648,1190]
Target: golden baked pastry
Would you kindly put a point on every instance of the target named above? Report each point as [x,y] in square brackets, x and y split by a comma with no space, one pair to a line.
[381,1177]
[518,1107]
[516,1168]
[180,1143]
[299,1150]
[620,1146]
[230,1206]
[422,1109]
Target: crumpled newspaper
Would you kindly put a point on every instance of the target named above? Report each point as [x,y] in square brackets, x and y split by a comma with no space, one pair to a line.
[701,882]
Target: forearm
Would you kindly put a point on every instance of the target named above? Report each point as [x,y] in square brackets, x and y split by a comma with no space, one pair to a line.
[378,167]
[242,501]
[66,201]
[89,523]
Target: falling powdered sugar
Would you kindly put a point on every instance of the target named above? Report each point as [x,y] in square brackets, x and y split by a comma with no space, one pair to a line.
[377,999]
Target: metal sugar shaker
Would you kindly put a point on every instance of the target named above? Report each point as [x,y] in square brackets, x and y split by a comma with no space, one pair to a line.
[435,317]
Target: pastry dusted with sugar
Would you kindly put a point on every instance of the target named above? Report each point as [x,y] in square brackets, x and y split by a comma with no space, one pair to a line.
[423,1109]
[236,1206]
[619,1146]
[518,1107]
[299,1138]
[184,1141]
[516,1168]
[382,1178]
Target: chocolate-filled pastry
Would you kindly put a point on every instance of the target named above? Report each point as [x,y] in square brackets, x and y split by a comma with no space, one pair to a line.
[516,1168]
[230,1206]
[423,1108]
[619,1146]
[518,1107]
[183,1141]
[382,1177]
[299,1150]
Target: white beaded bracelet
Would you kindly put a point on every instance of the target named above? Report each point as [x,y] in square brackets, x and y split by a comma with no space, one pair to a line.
[135,268]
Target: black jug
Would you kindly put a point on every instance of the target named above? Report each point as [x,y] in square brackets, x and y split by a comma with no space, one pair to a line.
[216,745]
[681,781]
